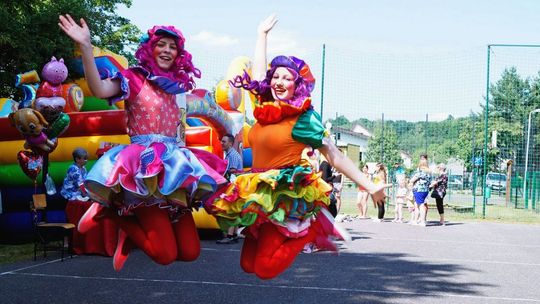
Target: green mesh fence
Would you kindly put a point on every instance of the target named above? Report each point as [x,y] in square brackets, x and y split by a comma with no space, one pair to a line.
[512,125]
[392,106]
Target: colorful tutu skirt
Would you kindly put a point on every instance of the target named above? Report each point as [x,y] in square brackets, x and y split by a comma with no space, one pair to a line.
[153,170]
[290,198]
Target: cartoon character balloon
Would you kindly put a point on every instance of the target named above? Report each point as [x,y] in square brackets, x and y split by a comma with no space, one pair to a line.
[49,101]
[31,124]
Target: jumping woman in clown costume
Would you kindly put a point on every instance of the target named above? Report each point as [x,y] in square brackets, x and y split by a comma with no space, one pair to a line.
[152,182]
[283,202]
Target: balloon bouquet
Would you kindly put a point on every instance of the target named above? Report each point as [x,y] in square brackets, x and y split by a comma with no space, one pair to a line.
[42,120]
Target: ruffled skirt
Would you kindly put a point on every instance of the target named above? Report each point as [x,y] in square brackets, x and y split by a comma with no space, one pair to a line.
[153,170]
[290,198]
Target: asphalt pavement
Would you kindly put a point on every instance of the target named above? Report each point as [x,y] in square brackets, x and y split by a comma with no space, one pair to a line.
[468,262]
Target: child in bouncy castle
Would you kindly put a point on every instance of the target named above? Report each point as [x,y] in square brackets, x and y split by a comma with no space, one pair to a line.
[283,202]
[72,187]
[149,186]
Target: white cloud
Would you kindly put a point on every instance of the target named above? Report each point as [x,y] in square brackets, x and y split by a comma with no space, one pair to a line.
[214,39]
[284,43]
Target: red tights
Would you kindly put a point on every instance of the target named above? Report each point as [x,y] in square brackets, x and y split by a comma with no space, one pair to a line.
[272,253]
[151,230]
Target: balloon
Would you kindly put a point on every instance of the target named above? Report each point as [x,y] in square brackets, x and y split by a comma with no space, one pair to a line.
[58,126]
[30,162]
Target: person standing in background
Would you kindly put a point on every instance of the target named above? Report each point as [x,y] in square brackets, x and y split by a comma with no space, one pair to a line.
[337,185]
[421,181]
[233,167]
[439,186]
[363,196]
[327,174]
[401,194]
[380,178]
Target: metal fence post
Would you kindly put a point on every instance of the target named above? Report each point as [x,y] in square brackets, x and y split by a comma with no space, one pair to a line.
[486,117]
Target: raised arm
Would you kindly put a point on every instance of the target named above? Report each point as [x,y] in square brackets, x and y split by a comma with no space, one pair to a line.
[80,34]
[259,61]
[344,165]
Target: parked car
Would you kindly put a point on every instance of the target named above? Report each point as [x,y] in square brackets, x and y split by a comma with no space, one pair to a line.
[455,182]
[496,181]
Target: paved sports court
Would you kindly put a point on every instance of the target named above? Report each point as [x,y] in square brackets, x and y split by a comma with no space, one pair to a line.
[385,263]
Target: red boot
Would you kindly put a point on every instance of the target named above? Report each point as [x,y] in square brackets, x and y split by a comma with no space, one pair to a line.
[91,217]
[123,248]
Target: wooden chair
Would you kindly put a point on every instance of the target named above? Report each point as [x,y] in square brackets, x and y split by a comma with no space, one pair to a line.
[49,236]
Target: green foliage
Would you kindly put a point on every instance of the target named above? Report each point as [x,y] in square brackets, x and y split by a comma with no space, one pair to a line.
[512,98]
[340,121]
[383,146]
[30,34]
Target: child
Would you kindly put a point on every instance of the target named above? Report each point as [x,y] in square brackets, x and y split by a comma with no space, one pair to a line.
[400,200]
[411,206]
[73,186]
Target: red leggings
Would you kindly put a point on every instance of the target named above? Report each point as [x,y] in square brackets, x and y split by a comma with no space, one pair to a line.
[272,253]
[151,230]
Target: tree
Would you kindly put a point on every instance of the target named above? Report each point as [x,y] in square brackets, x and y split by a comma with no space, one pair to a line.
[383,147]
[30,34]
[511,100]
[341,121]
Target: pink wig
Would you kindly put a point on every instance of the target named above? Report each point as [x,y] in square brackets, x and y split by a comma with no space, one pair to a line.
[182,69]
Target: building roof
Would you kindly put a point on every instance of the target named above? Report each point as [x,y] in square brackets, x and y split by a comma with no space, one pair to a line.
[349,132]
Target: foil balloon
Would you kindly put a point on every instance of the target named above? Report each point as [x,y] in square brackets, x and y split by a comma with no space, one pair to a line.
[30,163]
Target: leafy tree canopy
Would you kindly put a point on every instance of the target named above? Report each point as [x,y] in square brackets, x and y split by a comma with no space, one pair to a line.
[30,35]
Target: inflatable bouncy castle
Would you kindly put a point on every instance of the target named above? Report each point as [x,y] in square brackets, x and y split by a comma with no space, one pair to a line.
[96,126]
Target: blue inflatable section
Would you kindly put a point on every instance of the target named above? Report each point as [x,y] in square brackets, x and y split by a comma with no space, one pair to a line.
[16,227]
[16,199]
[194,122]
[105,66]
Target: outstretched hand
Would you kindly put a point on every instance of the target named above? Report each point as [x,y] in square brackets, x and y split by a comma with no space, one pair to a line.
[78,33]
[267,24]
[378,195]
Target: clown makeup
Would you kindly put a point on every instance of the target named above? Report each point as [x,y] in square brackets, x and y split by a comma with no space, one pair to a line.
[165,53]
[283,84]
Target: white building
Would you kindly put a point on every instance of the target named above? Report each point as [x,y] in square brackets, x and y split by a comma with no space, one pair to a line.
[354,143]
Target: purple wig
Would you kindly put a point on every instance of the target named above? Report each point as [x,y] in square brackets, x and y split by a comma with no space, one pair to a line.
[182,69]
[304,81]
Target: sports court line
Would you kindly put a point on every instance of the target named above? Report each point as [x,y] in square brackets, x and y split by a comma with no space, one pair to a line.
[33,266]
[455,242]
[317,288]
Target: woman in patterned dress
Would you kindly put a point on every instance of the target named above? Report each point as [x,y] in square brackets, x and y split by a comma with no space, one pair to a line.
[152,182]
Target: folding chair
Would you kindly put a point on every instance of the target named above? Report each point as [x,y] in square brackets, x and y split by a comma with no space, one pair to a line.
[49,236]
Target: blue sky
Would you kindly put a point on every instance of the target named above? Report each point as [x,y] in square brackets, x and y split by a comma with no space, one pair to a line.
[401,58]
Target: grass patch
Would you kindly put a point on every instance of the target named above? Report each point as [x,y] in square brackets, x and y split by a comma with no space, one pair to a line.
[16,253]
[457,212]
